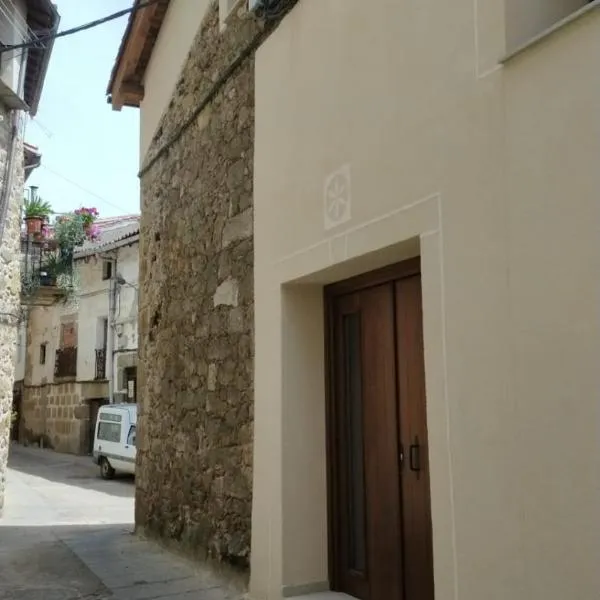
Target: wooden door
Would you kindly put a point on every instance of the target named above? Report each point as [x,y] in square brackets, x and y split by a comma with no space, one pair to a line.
[380,514]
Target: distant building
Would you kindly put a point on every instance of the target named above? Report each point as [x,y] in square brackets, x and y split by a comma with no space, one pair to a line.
[22,74]
[75,356]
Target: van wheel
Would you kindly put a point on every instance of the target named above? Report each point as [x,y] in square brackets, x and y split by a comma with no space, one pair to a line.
[106,471]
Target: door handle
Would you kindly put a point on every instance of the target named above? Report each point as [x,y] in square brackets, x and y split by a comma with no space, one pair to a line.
[415,456]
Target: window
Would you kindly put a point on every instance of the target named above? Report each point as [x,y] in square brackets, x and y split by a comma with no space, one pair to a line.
[68,335]
[131,436]
[106,270]
[109,432]
[43,353]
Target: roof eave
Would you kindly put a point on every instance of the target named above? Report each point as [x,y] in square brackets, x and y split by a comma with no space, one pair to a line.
[125,87]
[44,59]
[101,248]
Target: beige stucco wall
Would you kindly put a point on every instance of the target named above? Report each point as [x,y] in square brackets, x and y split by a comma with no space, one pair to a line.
[527,19]
[170,52]
[489,173]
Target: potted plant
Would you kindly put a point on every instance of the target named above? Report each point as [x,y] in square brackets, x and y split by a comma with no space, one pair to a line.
[50,270]
[88,216]
[37,212]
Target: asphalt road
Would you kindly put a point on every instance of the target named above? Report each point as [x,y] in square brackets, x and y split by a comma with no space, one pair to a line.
[68,535]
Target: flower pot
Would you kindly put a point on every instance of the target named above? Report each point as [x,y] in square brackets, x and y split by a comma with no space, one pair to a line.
[34,224]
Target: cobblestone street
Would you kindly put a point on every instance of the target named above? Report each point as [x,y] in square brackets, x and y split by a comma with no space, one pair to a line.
[67,535]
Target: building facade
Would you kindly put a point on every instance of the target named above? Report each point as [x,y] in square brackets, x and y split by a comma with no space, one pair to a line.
[22,74]
[196,278]
[82,354]
[425,296]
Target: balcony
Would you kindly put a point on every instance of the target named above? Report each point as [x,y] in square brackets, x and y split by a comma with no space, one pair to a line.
[65,363]
[41,265]
[100,364]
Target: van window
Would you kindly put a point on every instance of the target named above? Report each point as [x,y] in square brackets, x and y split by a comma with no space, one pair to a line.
[111,417]
[109,432]
[131,436]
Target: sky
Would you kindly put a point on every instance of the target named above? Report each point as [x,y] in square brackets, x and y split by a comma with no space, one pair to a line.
[90,153]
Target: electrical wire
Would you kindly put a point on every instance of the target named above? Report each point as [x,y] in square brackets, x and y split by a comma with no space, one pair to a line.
[46,130]
[83,189]
[42,39]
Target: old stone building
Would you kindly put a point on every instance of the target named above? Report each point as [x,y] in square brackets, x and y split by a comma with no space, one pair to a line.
[82,353]
[21,82]
[194,473]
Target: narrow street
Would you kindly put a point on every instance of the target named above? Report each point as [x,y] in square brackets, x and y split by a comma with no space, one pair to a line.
[67,535]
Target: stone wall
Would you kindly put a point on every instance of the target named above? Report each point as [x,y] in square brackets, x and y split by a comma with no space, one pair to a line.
[10,284]
[194,471]
[55,416]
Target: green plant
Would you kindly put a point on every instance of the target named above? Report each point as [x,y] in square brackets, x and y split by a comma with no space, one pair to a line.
[52,265]
[36,208]
[30,282]
[69,232]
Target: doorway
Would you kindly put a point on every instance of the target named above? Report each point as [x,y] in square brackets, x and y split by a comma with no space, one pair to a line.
[15,422]
[379,498]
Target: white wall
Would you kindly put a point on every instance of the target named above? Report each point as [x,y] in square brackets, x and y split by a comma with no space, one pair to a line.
[172,47]
[44,328]
[93,306]
[127,299]
[13,28]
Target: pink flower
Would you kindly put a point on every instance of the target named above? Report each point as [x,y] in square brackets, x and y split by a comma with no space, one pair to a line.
[94,232]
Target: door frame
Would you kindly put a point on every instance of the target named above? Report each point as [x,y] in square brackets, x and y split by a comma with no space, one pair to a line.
[387,274]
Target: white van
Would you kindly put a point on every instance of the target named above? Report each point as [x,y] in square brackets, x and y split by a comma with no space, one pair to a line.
[114,439]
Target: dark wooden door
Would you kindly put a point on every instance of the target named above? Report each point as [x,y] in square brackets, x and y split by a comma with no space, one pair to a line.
[381,540]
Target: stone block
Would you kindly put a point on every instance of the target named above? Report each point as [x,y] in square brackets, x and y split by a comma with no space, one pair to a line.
[227,293]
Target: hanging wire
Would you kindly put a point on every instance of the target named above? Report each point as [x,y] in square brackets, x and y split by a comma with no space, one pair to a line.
[43,38]
[82,188]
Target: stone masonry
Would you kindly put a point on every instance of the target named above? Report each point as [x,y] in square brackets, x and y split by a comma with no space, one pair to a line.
[10,284]
[194,471]
[56,416]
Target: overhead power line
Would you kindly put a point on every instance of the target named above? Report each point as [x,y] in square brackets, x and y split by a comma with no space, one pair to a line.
[82,188]
[43,38]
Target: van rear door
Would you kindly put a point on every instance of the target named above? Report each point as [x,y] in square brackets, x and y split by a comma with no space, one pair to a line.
[109,437]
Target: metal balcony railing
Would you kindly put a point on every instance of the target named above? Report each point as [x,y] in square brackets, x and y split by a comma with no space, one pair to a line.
[101,363]
[39,261]
[65,363]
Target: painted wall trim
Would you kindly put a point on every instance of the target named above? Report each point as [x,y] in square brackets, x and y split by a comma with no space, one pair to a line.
[540,37]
